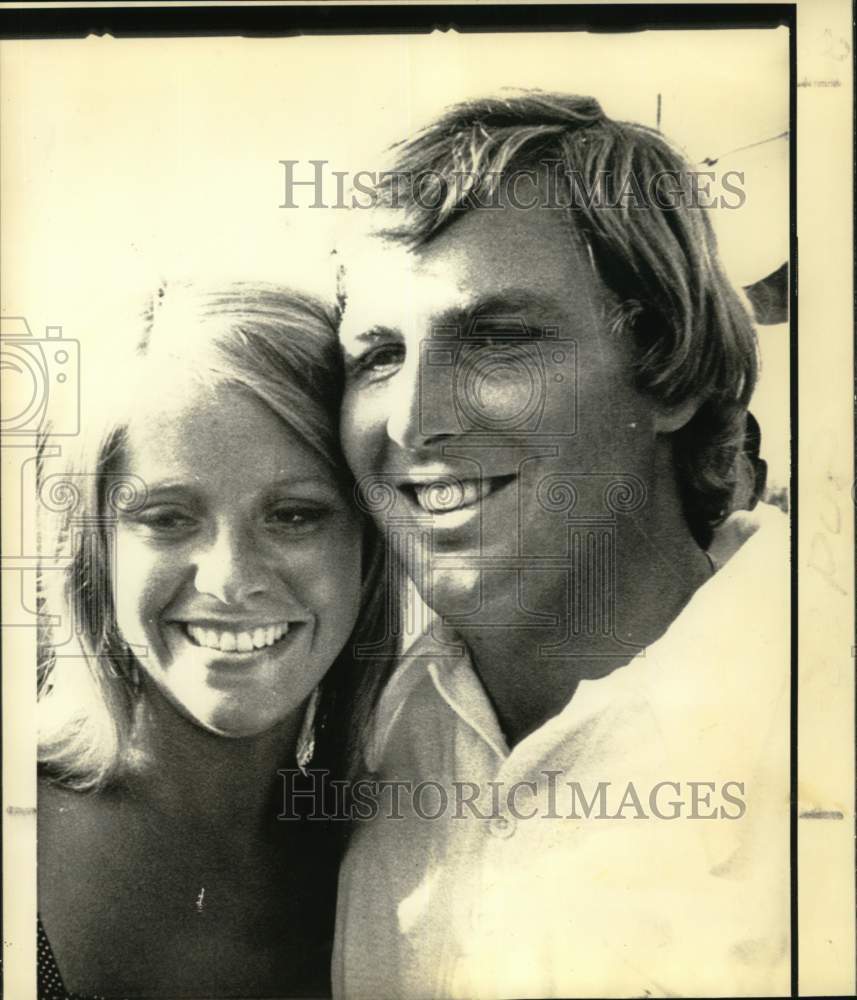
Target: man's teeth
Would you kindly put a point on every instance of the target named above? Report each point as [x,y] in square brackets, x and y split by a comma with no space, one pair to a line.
[443,497]
[237,642]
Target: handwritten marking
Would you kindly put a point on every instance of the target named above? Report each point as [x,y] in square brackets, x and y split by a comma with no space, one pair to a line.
[200,899]
[819,83]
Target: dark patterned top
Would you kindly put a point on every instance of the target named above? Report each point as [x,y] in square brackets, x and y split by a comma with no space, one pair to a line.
[50,982]
[51,986]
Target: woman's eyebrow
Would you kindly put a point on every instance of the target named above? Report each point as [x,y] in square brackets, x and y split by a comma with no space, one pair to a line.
[186,490]
[286,482]
[301,480]
[285,479]
[167,486]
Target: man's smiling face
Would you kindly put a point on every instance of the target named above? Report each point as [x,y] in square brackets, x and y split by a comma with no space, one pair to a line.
[481,362]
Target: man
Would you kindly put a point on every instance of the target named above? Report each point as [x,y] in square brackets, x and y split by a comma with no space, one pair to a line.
[547,382]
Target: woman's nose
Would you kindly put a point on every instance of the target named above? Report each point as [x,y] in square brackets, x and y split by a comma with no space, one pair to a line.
[232,569]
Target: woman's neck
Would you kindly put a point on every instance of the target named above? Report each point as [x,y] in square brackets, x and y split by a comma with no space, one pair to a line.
[187,772]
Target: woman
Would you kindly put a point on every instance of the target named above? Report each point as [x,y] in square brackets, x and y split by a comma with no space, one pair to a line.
[202,640]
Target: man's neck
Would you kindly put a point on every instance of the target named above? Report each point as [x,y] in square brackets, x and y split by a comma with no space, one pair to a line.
[658,567]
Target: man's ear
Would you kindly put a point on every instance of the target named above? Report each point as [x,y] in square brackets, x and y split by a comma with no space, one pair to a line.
[669,419]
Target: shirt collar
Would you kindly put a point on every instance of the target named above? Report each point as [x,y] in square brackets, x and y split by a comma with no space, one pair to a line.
[736,542]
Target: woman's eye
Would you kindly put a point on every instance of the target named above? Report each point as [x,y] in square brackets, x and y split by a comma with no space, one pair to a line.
[378,361]
[164,520]
[297,519]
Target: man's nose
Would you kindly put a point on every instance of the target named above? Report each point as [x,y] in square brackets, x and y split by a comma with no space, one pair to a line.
[232,568]
[421,407]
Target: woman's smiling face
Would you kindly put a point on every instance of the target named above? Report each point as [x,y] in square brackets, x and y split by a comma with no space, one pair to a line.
[238,581]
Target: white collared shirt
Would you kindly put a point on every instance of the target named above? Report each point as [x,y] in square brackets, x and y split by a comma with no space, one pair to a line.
[520,894]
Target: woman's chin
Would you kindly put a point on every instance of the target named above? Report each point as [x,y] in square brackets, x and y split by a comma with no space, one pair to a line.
[235,725]
[227,717]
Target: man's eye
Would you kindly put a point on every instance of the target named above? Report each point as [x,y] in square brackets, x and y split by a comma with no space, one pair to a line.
[380,361]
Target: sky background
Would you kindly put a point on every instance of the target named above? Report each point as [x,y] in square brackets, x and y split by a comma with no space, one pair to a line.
[127,160]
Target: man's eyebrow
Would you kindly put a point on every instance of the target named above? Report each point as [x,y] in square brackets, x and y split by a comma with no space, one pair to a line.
[512,302]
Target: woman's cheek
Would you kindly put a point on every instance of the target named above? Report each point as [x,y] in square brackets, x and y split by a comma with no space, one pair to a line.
[142,588]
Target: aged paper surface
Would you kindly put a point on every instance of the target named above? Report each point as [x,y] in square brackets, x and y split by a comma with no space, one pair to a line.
[826,621]
[126,160]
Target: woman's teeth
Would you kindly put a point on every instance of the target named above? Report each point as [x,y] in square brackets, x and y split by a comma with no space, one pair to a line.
[237,642]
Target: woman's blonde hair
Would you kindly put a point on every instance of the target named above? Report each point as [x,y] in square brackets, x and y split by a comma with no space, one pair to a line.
[273,342]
